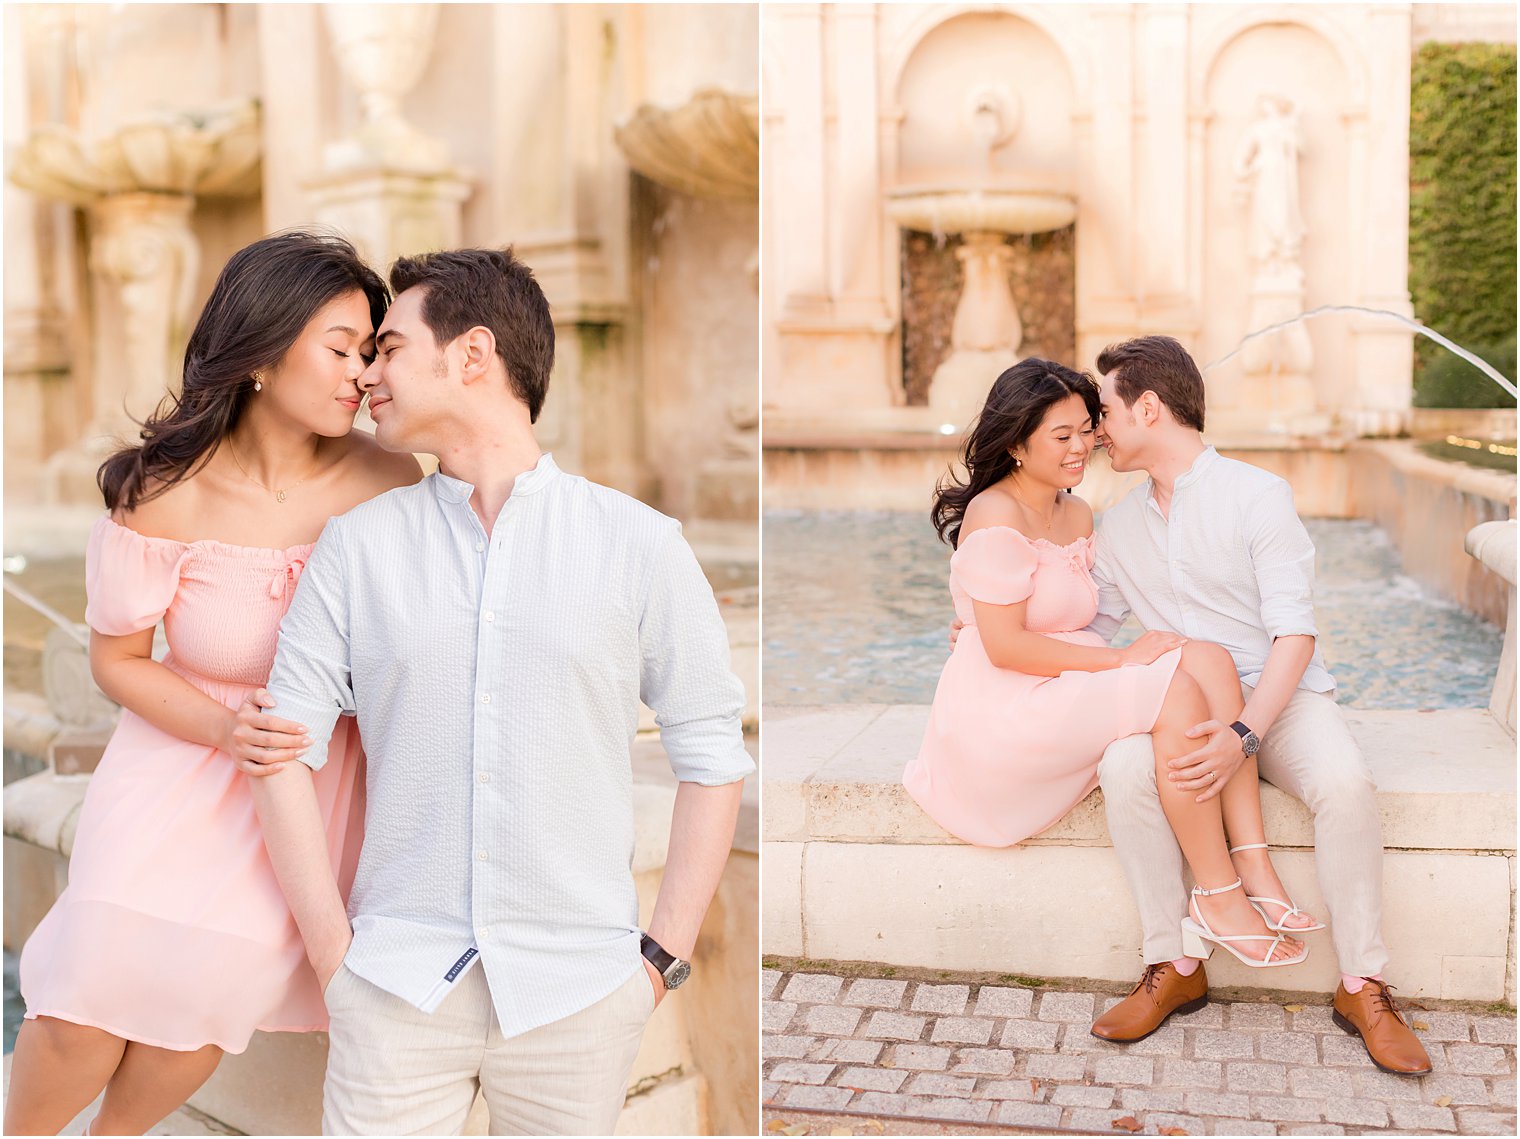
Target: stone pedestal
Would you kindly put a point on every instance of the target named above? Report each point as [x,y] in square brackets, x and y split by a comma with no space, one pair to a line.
[1277,365]
[986,335]
[1493,544]
[389,213]
[146,256]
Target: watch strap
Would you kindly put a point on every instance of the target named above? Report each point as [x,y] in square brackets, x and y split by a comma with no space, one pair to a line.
[656,954]
[1240,729]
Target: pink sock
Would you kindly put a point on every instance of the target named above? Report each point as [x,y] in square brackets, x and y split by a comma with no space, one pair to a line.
[1354,984]
[1186,966]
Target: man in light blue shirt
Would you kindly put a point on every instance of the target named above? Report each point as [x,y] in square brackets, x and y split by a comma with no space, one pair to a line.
[494,628]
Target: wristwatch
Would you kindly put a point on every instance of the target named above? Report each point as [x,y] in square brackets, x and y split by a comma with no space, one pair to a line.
[672,968]
[1248,739]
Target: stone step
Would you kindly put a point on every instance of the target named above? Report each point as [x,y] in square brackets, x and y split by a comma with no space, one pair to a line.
[855,871]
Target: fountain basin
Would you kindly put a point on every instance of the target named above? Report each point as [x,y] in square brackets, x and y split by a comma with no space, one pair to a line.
[944,210]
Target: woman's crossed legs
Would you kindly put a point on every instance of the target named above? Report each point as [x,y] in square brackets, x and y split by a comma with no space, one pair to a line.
[1207,686]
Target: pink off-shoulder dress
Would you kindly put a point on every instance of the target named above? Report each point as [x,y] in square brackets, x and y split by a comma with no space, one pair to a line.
[1007,754]
[173,930]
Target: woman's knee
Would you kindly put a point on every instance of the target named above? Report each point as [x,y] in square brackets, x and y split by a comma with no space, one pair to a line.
[1206,660]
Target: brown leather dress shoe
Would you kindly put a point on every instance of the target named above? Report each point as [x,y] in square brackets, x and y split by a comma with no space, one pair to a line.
[1372,1015]
[1161,992]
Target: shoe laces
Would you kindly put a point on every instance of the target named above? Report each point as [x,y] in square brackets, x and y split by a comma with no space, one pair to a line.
[1149,980]
[1384,999]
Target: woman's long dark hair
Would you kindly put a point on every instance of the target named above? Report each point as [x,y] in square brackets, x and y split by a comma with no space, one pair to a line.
[264,296]
[1015,407]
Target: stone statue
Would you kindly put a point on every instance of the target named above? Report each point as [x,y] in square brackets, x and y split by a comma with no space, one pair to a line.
[1267,163]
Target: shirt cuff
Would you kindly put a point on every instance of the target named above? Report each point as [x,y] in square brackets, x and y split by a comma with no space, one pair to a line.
[712,756]
[319,716]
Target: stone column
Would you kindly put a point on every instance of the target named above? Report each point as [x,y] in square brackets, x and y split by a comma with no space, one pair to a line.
[1161,41]
[146,259]
[1107,210]
[1379,180]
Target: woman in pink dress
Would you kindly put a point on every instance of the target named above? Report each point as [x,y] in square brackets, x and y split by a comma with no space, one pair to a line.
[172,943]
[1029,698]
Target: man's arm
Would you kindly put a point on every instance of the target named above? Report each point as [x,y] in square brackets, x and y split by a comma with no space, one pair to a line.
[1112,608]
[1282,557]
[310,683]
[699,704]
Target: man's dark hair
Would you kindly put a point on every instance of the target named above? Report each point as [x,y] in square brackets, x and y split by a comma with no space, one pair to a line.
[493,289]
[1156,364]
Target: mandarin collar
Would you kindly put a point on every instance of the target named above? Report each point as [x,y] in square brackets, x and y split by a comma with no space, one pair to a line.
[543,472]
[1194,472]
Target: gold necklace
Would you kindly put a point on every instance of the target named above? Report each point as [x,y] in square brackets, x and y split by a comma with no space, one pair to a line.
[1049,522]
[279,495]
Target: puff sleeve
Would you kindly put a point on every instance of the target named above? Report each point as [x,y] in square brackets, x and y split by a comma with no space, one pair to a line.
[995,566]
[129,579]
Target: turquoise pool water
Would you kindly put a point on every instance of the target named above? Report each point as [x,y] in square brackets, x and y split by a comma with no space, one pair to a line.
[857,611]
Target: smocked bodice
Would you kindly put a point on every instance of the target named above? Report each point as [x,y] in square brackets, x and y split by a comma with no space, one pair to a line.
[221,604]
[999,566]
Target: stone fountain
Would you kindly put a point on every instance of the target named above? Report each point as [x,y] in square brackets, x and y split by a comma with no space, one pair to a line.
[987,332]
[139,187]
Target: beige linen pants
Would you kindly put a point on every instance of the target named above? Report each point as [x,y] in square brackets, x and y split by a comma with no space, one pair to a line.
[1309,753]
[394,1070]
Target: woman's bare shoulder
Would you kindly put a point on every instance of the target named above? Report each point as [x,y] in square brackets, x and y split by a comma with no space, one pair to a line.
[172,512]
[992,507]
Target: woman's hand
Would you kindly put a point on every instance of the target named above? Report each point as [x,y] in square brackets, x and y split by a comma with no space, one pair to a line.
[258,743]
[1150,646]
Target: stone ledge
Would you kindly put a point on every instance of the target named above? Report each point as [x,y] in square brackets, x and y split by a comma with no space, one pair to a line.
[837,817]
[833,774]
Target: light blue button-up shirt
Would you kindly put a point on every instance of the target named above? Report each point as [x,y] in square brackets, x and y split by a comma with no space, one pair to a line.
[1230,563]
[497,685]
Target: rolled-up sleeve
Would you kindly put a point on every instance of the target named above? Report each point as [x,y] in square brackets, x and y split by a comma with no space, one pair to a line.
[685,674]
[311,681]
[1282,557]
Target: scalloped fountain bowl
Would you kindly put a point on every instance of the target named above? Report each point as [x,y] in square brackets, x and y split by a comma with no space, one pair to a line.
[984,211]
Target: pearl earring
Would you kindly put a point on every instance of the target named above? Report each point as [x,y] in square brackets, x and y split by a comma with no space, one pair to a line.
[258,382]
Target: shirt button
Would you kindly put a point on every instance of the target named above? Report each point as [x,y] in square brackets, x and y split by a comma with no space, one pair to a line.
[479,546]
[485,777]
[482,856]
[486,699]
[490,616]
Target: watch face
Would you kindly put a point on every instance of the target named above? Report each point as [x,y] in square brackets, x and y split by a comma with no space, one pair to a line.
[1253,743]
[677,974]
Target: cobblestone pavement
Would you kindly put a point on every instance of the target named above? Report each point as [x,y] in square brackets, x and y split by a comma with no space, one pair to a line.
[1024,1058]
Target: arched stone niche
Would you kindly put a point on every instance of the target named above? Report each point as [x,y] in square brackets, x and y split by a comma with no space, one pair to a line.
[983,100]
[998,58]
[1296,61]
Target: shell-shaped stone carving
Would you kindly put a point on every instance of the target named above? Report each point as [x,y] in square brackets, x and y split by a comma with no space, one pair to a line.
[216,155]
[709,146]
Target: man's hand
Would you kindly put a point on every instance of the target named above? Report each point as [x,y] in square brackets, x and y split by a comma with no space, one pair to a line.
[1210,767]
[261,744]
[329,960]
[656,980]
[955,631]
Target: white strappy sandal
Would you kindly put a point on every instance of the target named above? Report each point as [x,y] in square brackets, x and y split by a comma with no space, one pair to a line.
[1288,908]
[1196,932]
